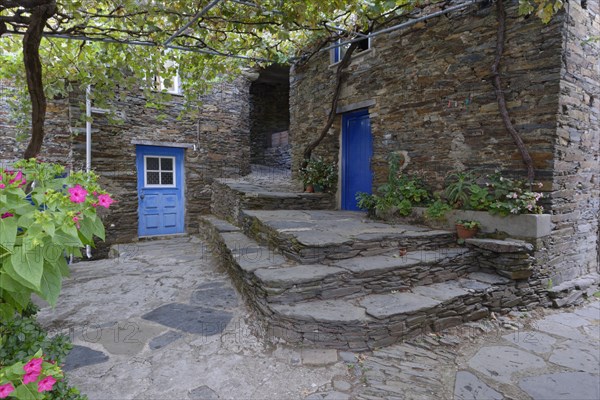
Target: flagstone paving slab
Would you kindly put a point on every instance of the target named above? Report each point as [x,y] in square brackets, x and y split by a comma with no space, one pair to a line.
[562,386]
[470,387]
[501,362]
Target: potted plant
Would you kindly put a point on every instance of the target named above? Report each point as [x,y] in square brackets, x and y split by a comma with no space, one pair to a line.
[466,229]
[319,175]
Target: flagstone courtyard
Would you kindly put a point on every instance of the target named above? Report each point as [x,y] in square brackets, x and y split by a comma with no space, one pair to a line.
[162,320]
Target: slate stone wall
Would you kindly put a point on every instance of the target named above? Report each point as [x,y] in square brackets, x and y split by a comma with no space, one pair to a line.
[56,147]
[220,135]
[575,194]
[269,113]
[432,97]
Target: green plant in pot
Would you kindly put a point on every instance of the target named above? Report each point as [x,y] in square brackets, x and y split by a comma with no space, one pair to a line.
[319,174]
[466,229]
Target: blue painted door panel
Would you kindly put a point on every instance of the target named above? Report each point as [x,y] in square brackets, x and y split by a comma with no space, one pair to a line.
[357,150]
[160,190]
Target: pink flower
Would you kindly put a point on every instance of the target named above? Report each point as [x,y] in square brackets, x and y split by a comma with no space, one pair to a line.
[34,365]
[6,389]
[76,220]
[31,377]
[77,194]
[2,185]
[105,201]
[7,215]
[18,177]
[46,384]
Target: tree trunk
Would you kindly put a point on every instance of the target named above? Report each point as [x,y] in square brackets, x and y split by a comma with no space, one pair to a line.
[33,72]
[500,94]
[339,78]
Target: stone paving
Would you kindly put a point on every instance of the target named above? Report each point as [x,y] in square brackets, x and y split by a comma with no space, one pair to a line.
[162,321]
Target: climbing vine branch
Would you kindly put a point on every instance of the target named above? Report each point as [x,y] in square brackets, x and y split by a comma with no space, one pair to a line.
[339,80]
[497,81]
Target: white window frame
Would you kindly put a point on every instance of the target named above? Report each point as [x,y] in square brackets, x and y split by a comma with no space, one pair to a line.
[146,185]
[175,88]
[337,53]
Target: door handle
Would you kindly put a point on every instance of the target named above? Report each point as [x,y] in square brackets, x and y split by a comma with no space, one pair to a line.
[142,196]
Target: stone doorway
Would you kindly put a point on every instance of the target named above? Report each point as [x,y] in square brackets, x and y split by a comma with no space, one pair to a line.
[270,117]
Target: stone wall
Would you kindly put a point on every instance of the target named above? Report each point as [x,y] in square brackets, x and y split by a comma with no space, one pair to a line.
[574,246]
[433,96]
[56,147]
[429,93]
[217,145]
[269,113]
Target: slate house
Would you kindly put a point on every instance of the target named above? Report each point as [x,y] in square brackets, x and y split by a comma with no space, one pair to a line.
[426,92]
[160,167]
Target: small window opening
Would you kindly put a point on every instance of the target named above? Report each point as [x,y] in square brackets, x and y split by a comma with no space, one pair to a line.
[338,52]
[584,4]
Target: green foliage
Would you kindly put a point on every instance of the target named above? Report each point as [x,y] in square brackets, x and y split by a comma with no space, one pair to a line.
[457,188]
[44,217]
[468,224]
[493,193]
[319,173]
[544,9]
[21,339]
[437,210]
[398,195]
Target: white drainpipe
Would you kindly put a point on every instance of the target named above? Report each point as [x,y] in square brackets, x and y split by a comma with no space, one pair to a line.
[88,143]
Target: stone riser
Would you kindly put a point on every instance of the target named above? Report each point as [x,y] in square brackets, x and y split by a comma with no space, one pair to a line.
[288,246]
[379,333]
[227,202]
[349,285]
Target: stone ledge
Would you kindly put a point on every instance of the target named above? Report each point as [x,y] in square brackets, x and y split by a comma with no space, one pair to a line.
[528,226]
[501,246]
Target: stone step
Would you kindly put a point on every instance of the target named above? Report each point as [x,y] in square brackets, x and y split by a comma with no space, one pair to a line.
[229,197]
[362,275]
[326,236]
[360,303]
[379,320]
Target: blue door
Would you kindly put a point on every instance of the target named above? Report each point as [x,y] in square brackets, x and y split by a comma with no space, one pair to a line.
[357,150]
[160,190]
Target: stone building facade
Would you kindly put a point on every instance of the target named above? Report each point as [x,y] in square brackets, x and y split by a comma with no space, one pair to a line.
[429,94]
[216,144]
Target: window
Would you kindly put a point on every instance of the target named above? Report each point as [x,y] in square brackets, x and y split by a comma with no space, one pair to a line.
[160,171]
[338,52]
[172,85]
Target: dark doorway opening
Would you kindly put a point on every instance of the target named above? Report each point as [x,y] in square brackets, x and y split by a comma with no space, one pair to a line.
[270,117]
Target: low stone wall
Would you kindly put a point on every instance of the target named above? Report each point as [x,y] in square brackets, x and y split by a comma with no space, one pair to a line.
[278,157]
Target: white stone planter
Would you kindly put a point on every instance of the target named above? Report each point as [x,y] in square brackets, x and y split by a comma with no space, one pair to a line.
[529,226]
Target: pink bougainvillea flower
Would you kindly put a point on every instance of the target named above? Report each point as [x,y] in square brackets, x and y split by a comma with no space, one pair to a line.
[77,194]
[7,215]
[6,389]
[31,377]
[46,384]
[34,365]
[105,200]
[2,185]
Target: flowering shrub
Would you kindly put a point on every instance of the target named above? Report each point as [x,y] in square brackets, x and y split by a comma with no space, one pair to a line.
[44,216]
[493,193]
[29,380]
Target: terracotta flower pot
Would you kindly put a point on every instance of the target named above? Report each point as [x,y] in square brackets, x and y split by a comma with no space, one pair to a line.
[309,189]
[465,233]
